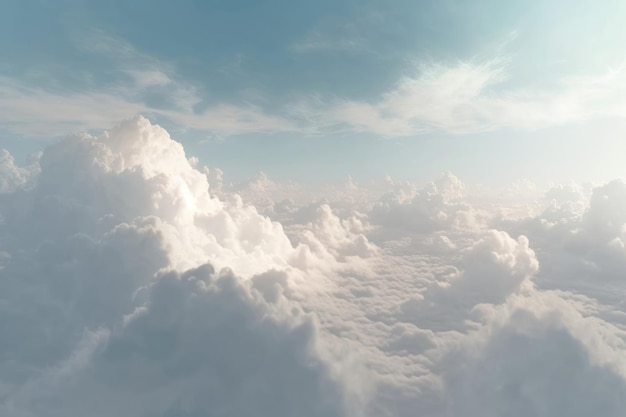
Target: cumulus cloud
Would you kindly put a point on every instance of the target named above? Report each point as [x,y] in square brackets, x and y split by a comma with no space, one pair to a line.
[200,344]
[134,282]
[533,363]
[580,233]
[13,176]
[87,302]
[490,270]
[440,205]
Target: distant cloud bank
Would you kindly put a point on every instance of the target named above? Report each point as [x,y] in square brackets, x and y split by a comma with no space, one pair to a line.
[133,281]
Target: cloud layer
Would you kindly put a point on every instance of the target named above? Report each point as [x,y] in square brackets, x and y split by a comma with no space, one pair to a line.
[133,282]
[461,97]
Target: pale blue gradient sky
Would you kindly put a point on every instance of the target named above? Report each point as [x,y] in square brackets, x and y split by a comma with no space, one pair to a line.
[490,90]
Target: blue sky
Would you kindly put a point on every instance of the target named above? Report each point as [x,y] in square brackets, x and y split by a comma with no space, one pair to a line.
[491,90]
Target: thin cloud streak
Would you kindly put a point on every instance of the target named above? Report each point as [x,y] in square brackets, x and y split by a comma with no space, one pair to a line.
[463,98]
[466,99]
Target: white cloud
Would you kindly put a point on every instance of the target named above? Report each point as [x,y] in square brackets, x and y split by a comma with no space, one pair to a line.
[201,344]
[13,176]
[87,248]
[34,110]
[468,97]
[132,282]
[458,98]
[532,362]
[438,206]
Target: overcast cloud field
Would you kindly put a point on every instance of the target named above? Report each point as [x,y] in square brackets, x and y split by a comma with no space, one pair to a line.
[294,209]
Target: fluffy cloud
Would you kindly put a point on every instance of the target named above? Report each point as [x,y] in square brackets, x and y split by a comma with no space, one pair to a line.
[438,206]
[13,176]
[580,233]
[200,344]
[134,282]
[89,309]
[534,360]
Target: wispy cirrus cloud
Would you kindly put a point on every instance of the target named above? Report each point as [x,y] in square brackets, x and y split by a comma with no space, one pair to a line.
[459,98]
[143,85]
[469,97]
[32,110]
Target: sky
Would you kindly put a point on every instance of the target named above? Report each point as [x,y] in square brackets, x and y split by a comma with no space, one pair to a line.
[316,209]
[404,88]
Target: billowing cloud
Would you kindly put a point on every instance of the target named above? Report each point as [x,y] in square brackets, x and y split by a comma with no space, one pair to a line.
[134,282]
[88,302]
[13,176]
[532,361]
[440,205]
[200,344]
